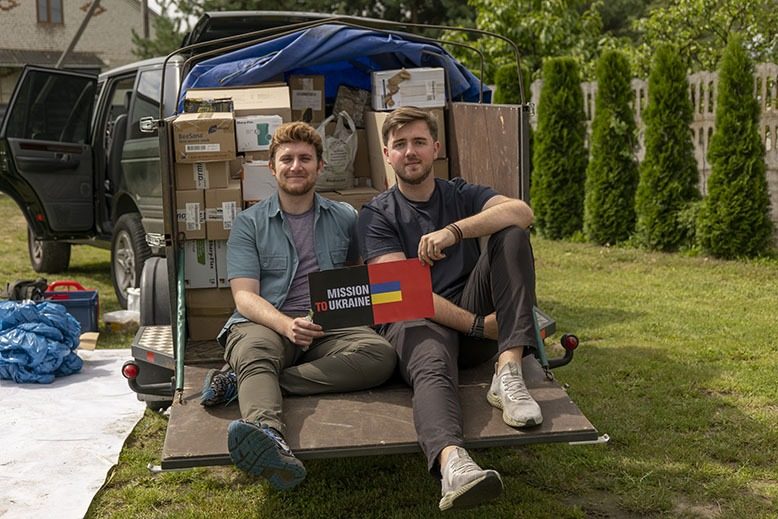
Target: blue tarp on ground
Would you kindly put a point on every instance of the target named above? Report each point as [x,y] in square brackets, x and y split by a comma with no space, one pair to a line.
[37,342]
[345,55]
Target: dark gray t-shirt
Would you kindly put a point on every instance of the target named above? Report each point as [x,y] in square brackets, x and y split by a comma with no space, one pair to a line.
[392,223]
[301,226]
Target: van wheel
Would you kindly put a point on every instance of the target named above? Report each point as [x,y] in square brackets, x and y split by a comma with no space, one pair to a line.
[154,293]
[129,251]
[51,257]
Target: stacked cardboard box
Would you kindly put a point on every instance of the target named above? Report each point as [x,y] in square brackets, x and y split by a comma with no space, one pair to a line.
[381,173]
[211,148]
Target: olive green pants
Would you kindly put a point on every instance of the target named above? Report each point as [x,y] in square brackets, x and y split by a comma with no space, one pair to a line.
[347,359]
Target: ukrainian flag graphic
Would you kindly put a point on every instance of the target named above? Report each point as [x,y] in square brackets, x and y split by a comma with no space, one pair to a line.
[388,292]
[400,290]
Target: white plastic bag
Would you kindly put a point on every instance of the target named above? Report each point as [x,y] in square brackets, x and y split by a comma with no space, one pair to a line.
[340,149]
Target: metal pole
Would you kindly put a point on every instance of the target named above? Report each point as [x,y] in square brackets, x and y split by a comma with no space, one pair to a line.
[144,14]
[78,34]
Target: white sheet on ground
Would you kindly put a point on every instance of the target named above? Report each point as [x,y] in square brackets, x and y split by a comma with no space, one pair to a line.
[58,441]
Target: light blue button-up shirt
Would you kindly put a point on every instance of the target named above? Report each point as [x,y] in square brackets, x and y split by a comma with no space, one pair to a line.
[261,247]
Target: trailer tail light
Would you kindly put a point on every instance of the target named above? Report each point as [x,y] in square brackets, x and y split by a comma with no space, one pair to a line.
[130,370]
[569,342]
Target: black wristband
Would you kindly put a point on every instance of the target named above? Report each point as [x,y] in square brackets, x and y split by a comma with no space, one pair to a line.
[477,328]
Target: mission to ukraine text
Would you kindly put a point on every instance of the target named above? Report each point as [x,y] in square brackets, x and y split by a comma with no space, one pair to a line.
[358,290]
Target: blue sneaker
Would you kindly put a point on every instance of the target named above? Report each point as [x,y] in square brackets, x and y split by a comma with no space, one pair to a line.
[220,387]
[262,451]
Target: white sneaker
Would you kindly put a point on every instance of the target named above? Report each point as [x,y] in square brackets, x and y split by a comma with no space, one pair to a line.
[509,393]
[465,484]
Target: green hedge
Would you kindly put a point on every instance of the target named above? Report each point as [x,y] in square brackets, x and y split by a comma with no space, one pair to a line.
[734,218]
[668,173]
[612,175]
[559,154]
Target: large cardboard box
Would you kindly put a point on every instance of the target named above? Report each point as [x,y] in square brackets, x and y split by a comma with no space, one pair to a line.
[221,264]
[199,264]
[258,182]
[206,136]
[440,169]
[254,132]
[190,214]
[221,208]
[202,175]
[381,173]
[422,87]
[207,310]
[307,94]
[357,196]
[251,100]
[362,159]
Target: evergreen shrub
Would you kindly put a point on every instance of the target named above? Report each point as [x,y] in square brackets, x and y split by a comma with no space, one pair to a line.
[668,173]
[734,218]
[612,175]
[559,153]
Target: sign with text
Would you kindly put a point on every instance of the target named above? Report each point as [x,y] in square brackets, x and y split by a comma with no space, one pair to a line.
[371,294]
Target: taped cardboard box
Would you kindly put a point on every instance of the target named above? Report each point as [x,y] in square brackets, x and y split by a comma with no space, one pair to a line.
[202,175]
[207,310]
[254,132]
[423,87]
[199,264]
[381,173]
[357,196]
[251,100]
[307,98]
[258,183]
[221,208]
[222,280]
[207,105]
[190,214]
[203,137]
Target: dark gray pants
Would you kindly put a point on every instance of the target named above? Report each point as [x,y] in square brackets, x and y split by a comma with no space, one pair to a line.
[430,354]
[347,359]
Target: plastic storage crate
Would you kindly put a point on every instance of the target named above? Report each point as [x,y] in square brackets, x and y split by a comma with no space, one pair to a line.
[81,303]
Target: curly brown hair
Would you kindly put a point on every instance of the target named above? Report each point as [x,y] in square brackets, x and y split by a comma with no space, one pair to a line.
[296,132]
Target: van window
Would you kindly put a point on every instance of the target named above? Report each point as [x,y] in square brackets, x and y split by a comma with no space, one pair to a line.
[146,102]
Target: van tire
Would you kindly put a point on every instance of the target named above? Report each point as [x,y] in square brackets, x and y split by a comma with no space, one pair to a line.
[154,293]
[51,257]
[129,251]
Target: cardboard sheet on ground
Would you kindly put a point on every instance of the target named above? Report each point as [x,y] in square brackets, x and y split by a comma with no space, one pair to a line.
[371,294]
[58,441]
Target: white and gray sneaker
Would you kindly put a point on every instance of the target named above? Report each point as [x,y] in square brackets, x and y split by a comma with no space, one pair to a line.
[509,393]
[465,484]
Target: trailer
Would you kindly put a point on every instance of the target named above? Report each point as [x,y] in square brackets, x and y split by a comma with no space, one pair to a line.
[487,144]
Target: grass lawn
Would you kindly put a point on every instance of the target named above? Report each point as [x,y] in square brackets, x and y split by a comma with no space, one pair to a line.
[678,365]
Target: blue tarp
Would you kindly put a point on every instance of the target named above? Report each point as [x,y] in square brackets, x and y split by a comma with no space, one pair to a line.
[37,342]
[344,55]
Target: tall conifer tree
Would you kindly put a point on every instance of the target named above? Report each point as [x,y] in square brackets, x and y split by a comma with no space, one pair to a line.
[559,155]
[734,219]
[668,174]
[612,175]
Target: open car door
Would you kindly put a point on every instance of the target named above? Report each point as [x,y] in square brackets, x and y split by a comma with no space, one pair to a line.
[46,160]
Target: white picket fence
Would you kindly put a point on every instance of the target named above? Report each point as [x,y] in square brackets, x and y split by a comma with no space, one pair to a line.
[702,92]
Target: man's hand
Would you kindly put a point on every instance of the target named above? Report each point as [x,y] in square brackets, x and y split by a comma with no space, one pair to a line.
[301,331]
[490,326]
[431,245]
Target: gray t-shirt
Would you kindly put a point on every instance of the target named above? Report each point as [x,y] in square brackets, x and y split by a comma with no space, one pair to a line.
[301,226]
